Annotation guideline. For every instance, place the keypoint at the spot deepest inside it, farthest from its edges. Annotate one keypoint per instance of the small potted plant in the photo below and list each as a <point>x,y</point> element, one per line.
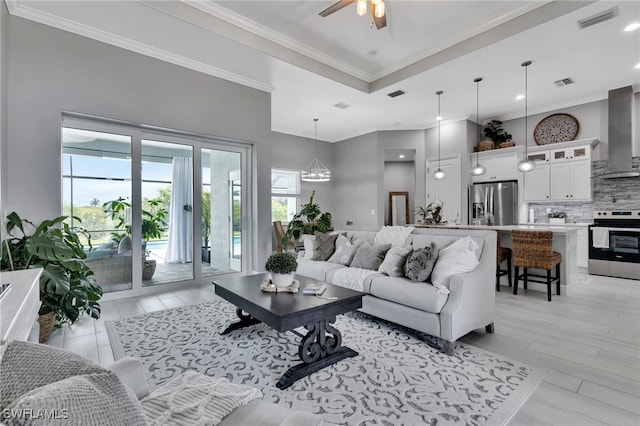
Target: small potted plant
<point>430,214</point>
<point>282,267</point>
<point>493,130</point>
<point>557,217</point>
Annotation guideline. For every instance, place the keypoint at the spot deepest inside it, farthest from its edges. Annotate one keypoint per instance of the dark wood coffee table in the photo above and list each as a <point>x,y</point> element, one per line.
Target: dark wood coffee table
<point>321,346</point>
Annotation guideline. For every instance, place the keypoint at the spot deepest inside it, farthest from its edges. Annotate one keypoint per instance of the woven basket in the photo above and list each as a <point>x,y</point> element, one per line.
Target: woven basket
<point>46,322</point>
<point>485,145</point>
<point>507,144</point>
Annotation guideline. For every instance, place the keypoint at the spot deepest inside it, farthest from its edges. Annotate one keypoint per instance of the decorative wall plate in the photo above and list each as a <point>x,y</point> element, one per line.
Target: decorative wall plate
<point>556,128</point>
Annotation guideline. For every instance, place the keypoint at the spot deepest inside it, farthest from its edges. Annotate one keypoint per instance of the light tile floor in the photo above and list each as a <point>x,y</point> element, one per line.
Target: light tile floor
<point>588,342</point>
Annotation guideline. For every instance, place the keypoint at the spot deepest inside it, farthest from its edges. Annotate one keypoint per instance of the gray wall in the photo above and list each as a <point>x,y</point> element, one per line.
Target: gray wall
<point>51,71</point>
<point>4,78</point>
<point>357,182</point>
<point>593,120</point>
<point>399,176</point>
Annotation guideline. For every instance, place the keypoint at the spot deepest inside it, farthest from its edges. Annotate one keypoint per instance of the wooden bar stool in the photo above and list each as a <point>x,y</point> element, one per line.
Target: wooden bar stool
<point>503,253</point>
<point>534,249</point>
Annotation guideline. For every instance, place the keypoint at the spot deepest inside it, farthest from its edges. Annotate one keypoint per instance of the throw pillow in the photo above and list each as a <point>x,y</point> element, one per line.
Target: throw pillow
<point>309,242</point>
<point>207,400</point>
<point>345,250</point>
<point>324,246</point>
<point>394,260</point>
<point>420,263</point>
<point>369,257</point>
<point>394,235</point>
<point>37,376</point>
<point>125,244</point>
<point>458,258</point>
<point>81,400</point>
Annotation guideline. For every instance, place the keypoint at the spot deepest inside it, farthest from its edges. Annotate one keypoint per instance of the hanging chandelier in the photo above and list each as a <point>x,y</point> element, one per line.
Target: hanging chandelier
<point>526,165</point>
<point>316,171</point>
<point>439,174</point>
<point>478,169</point>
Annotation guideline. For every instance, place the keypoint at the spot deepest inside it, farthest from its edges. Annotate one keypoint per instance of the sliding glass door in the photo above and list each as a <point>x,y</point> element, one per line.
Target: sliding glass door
<point>96,178</point>
<point>167,212</point>
<point>221,211</point>
<point>160,208</point>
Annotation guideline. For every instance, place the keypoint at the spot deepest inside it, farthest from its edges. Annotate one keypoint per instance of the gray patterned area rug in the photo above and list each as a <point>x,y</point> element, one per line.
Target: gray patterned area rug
<point>395,379</point>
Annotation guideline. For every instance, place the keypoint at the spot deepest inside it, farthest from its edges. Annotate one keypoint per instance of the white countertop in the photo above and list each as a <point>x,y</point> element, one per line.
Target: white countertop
<point>558,229</point>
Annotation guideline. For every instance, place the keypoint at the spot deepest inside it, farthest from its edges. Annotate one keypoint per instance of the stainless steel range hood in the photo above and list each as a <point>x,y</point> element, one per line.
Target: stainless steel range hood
<point>620,135</point>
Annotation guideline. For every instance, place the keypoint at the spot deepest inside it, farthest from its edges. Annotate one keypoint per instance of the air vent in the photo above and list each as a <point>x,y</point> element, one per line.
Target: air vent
<point>564,82</point>
<point>396,93</point>
<point>342,105</point>
<point>600,17</point>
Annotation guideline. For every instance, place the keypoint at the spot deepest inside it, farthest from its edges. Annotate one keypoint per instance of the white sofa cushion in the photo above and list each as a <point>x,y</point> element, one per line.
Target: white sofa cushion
<point>404,292</point>
<point>394,235</point>
<point>316,269</point>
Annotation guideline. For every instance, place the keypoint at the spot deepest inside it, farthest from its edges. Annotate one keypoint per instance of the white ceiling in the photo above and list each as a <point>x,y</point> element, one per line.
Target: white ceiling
<point>310,63</point>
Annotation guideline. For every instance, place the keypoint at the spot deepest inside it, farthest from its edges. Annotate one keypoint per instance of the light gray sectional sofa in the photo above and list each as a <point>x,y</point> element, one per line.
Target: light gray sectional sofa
<point>470,301</point>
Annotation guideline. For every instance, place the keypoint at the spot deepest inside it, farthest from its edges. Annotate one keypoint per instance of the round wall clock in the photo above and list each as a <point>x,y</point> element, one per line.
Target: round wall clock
<point>556,128</point>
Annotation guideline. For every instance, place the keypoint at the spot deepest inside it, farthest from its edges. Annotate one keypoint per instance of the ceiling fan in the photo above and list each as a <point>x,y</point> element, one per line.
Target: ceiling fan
<point>377,7</point>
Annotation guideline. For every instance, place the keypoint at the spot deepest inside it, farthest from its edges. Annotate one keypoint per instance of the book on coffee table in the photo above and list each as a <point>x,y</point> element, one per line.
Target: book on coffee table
<point>316,289</point>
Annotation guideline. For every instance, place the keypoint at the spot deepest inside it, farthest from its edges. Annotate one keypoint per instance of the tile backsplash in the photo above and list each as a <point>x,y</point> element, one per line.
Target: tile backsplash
<point>607,194</point>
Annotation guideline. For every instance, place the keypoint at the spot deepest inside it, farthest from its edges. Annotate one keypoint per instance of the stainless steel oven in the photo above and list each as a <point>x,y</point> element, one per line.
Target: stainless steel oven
<point>614,244</point>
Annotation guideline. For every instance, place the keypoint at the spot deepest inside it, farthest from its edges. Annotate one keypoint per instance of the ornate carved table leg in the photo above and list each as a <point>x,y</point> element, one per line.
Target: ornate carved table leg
<point>317,350</point>
<point>245,321</point>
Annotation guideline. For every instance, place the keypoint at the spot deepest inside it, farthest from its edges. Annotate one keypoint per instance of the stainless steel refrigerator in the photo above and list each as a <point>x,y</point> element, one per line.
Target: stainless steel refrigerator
<point>493,203</point>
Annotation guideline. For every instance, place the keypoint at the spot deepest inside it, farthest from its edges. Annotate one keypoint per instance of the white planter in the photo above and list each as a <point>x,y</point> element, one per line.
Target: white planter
<point>282,280</point>
<point>556,220</point>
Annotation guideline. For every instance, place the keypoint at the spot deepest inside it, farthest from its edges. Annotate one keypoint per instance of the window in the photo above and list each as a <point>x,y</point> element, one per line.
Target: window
<point>285,194</point>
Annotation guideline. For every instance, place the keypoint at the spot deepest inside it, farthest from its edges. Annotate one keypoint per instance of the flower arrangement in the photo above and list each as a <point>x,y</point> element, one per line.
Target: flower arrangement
<point>558,214</point>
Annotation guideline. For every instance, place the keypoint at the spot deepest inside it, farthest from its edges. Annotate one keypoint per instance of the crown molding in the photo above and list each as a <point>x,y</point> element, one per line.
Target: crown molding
<point>213,9</point>
<point>22,9</point>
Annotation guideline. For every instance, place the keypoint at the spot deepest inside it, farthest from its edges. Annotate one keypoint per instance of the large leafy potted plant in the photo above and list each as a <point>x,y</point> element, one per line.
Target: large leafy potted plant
<point>153,226</point>
<point>307,221</point>
<point>67,286</point>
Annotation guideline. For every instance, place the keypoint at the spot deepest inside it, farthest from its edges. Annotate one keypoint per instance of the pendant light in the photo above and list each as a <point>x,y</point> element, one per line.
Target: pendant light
<point>316,171</point>
<point>526,165</point>
<point>478,169</point>
<point>439,174</point>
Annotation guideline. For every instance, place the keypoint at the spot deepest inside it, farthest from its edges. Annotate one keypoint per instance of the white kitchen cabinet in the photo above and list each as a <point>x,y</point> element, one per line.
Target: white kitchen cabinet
<point>568,173</point>
<point>583,247</point>
<point>571,180</point>
<point>536,183</point>
<point>499,165</point>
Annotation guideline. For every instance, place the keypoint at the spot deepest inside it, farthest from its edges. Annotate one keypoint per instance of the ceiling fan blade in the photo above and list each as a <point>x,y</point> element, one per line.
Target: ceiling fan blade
<point>380,22</point>
<point>335,7</point>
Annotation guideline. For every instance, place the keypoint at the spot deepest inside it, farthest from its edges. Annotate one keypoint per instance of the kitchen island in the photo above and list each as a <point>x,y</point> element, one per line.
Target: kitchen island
<point>564,242</point>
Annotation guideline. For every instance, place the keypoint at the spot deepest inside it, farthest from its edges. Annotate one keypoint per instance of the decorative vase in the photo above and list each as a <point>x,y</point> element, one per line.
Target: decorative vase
<point>282,280</point>
<point>149,268</point>
<point>556,220</point>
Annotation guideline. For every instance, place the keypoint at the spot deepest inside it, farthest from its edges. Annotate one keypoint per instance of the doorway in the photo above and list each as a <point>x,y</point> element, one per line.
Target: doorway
<point>446,191</point>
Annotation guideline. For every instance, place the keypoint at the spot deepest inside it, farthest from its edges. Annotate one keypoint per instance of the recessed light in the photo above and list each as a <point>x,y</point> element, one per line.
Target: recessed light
<point>632,26</point>
<point>401,156</point>
<point>519,97</point>
<point>439,118</point>
<point>373,52</point>
<point>637,66</point>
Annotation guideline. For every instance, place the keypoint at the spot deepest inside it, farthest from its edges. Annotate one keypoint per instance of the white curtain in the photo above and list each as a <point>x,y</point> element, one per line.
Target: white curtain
<point>180,244</point>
